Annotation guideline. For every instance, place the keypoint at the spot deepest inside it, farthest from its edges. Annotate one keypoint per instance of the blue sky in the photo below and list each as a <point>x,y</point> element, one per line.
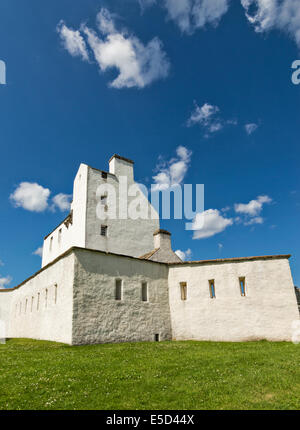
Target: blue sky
<point>192,79</point>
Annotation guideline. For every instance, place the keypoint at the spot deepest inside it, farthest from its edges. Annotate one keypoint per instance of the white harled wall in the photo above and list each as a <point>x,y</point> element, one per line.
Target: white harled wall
<point>42,307</point>
<point>124,236</point>
<point>55,243</point>
<point>266,312</point>
<point>98,317</point>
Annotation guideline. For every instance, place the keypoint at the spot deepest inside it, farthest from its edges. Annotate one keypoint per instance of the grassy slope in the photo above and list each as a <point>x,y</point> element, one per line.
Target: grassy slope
<point>167,375</point>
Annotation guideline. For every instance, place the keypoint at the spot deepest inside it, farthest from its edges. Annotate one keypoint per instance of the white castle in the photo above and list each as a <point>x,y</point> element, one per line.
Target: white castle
<point>118,280</point>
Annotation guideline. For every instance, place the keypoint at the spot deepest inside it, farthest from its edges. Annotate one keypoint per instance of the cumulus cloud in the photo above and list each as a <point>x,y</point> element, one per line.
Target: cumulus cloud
<point>184,255</point>
<point>138,65</point>
<point>35,198</point>
<point>5,281</point>
<point>172,172</point>
<point>31,196</point>
<point>72,41</point>
<point>254,207</point>
<point>266,15</point>
<point>251,128</point>
<point>210,223</point>
<point>190,15</point>
<point>208,118</point>
<point>62,202</point>
<point>38,252</point>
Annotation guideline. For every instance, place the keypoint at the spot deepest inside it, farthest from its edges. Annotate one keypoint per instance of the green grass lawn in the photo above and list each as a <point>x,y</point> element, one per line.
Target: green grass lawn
<point>166,375</point>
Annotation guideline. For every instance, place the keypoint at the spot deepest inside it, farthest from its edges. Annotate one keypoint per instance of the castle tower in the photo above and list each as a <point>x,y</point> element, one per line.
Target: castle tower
<point>100,216</point>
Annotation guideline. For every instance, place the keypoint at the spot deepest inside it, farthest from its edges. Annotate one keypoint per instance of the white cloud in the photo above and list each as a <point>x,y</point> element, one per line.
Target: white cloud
<point>72,41</point>
<point>251,128</point>
<point>255,220</point>
<point>172,172</point>
<point>38,251</point>
<point>1,263</point>
<point>138,65</point>
<point>266,15</point>
<point>207,117</point>
<point>184,255</point>
<point>209,223</point>
<point>254,207</point>
<point>62,201</point>
<point>35,198</point>
<point>31,196</point>
<point>4,281</point>
<point>190,15</point>
<point>220,246</point>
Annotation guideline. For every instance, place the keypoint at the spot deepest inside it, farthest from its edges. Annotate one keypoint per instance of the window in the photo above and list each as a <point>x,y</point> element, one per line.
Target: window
<point>156,337</point>
<point>55,293</point>
<point>32,299</point>
<point>118,294</point>
<point>212,289</point>
<point>103,230</point>
<point>103,199</point>
<point>144,292</point>
<point>59,235</point>
<point>104,175</point>
<point>46,298</point>
<point>242,286</point>
<point>183,290</point>
<point>51,243</point>
<point>38,301</point>
<point>26,303</point>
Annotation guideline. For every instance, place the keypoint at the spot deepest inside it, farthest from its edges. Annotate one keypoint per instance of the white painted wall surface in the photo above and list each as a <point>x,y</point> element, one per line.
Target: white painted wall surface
<point>124,236</point>
<point>48,320</point>
<point>98,317</point>
<point>74,235</point>
<point>267,311</point>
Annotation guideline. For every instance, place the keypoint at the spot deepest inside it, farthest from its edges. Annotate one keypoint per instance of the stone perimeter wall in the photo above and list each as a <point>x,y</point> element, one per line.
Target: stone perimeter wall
<point>42,307</point>
<point>77,303</point>
<point>266,312</point>
<point>98,317</point>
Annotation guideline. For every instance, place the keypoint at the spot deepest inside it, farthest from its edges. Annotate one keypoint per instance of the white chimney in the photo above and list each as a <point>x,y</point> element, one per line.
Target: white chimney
<point>121,166</point>
<point>162,240</point>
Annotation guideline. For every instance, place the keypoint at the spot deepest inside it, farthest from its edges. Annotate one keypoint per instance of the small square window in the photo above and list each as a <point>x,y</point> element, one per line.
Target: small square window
<point>103,230</point>
<point>104,175</point>
<point>212,289</point>
<point>183,290</point>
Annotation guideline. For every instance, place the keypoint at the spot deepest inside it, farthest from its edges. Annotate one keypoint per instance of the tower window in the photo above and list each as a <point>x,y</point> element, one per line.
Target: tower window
<point>59,235</point>
<point>103,199</point>
<point>103,230</point>
<point>51,243</point>
<point>183,290</point>
<point>118,293</point>
<point>144,292</point>
<point>242,286</point>
<point>104,175</point>
<point>212,289</point>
